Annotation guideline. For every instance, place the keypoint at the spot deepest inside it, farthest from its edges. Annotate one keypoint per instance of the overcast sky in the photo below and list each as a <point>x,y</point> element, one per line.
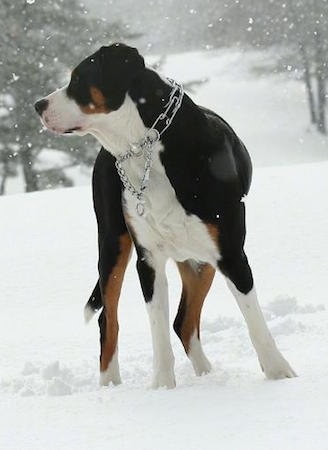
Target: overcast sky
<point>167,25</point>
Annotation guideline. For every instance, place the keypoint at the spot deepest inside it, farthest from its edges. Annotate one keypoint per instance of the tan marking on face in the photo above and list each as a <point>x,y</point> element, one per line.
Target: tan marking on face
<point>196,283</point>
<point>97,104</point>
<point>112,295</point>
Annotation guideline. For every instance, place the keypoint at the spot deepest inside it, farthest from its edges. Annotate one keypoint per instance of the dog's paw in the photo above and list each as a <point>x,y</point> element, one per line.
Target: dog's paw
<point>201,366</point>
<point>200,363</point>
<point>163,379</point>
<point>275,367</point>
<point>111,375</point>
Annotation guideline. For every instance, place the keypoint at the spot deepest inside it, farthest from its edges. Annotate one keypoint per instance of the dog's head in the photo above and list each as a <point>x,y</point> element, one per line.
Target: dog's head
<point>98,86</point>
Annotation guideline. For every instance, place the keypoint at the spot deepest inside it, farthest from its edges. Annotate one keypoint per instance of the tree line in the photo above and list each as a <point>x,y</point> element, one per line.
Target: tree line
<point>40,43</point>
<point>298,32</point>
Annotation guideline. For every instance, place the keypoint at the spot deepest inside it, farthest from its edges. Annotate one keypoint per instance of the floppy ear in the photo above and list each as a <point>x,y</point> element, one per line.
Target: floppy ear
<point>119,65</point>
<point>133,61</point>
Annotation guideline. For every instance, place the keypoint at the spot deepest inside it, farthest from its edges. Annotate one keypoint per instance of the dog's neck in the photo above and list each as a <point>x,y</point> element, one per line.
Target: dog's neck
<point>143,103</point>
<point>116,130</point>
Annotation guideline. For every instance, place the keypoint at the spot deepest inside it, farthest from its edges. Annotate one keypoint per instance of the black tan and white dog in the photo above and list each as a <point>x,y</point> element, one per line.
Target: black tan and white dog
<point>170,180</point>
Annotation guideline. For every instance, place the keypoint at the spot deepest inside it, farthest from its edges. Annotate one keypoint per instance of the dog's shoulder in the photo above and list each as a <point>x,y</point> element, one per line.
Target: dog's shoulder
<point>205,161</point>
<point>107,194</point>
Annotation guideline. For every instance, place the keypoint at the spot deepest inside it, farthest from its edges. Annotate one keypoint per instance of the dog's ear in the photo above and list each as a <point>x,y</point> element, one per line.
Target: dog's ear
<point>120,64</point>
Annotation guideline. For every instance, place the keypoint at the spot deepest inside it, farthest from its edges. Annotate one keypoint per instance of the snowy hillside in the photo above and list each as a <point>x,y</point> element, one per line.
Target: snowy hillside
<point>269,112</point>
<point>49,395</point>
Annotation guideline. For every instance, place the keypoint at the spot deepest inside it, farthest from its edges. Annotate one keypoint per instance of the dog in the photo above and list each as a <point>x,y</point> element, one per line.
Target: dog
<point>170,180</point>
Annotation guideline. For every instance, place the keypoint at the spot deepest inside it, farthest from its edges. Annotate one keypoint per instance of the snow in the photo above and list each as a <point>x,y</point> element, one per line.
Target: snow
<point>49,393</point>
<point>269,112</point>
<point>52,158</point>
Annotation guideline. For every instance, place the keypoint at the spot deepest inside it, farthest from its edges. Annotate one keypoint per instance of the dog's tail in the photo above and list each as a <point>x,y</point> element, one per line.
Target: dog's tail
<point>93,304</point>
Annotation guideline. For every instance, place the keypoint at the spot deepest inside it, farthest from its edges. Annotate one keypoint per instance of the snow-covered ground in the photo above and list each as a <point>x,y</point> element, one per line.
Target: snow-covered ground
<point>49,393</point>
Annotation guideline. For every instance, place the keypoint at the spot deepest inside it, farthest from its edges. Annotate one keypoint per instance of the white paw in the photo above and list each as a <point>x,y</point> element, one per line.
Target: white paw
<point>276,367</point>
<point>106,378</point>
<point>201,366</point>
<point>164,379</point>
<point>200,363</point>
<point>111,374</point>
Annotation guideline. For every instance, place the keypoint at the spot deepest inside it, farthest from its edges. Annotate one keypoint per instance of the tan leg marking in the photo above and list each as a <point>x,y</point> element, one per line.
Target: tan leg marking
<point>111,298</point>
<point>196,283</point>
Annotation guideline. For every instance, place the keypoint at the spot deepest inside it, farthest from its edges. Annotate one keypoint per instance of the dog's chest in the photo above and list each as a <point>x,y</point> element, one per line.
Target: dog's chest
<point>166,229</point>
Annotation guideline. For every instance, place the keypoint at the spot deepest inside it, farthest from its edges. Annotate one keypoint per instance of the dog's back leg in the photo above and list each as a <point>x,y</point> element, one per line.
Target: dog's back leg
<point>113,260</point>
<point>234,265</point>
<point>196,282</point>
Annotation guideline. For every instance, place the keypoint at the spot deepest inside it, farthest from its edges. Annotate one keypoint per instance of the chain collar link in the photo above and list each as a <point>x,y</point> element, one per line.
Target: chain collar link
<point>145,146</point>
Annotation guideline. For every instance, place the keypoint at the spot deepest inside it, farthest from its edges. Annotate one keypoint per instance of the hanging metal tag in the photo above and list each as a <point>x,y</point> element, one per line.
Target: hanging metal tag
<point>136,149</point>
<point>140,209</point>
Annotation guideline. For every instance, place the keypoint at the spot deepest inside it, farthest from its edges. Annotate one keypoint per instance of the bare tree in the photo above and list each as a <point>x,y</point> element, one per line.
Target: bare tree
<point>308,83</point>
<point>320,73</point>
<point>297,27</point>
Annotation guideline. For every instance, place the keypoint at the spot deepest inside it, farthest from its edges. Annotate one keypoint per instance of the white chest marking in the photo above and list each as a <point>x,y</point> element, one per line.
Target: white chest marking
<point>165,229</point>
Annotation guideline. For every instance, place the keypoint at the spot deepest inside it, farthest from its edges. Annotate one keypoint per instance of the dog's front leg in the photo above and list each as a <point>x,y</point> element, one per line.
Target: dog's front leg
<point>154,286</point>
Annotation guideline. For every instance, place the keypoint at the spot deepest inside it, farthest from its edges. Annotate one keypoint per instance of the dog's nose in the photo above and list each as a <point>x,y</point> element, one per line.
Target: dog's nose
<point>41,106</point>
